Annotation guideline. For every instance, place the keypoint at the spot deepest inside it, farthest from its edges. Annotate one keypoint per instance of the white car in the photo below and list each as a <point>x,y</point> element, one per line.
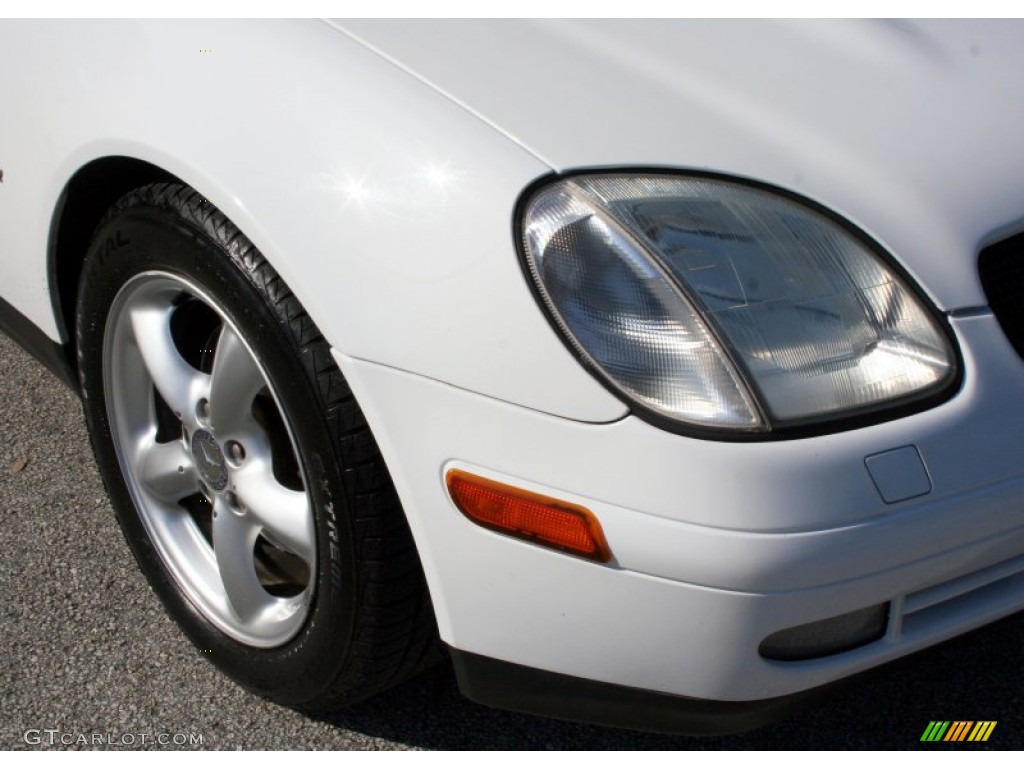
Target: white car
<point>663,371</point>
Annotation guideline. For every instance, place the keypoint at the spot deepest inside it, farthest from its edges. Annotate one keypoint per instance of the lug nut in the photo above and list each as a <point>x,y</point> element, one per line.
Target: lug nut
<point>235,451</point>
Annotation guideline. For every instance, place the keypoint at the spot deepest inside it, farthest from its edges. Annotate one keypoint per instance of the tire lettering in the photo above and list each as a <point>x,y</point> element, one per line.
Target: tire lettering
<point>114,242</point>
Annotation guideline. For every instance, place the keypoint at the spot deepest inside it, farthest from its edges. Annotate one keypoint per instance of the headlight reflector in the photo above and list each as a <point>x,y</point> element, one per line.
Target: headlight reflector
<point>721,305</point>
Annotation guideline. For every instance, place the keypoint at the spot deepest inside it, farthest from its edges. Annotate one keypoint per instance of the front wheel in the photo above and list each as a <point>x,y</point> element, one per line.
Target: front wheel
<point>241,469</point>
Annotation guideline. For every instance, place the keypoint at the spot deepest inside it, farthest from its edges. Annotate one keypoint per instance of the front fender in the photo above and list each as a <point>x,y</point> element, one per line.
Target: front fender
<point>385,206</point>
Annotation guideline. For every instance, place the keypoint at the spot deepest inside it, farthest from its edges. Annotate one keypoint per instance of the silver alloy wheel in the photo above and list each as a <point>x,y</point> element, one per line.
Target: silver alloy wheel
<point>246,559</point>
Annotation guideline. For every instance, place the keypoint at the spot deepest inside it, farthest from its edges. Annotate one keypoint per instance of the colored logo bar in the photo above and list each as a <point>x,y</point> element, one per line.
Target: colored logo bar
<point>958,730</point>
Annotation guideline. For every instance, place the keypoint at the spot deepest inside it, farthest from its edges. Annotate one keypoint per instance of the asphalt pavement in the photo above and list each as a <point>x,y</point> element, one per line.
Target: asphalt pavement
<point>88,658</point>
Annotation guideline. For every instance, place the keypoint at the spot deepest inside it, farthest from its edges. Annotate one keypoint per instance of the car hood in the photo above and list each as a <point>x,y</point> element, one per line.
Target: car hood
<point>910,130</point>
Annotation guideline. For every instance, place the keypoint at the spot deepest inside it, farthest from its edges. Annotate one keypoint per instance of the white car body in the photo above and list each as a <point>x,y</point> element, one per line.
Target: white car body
<point>378,166</point>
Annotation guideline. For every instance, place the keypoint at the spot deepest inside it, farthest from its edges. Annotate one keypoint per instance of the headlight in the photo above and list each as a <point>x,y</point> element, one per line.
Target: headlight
<point>720,305</point>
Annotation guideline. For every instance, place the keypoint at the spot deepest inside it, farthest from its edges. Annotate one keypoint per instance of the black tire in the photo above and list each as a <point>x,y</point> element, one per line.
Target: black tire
<point>370,624</point>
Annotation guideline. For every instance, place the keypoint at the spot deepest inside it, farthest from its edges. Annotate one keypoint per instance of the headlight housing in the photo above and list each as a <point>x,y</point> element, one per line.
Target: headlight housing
<point>719,305</point>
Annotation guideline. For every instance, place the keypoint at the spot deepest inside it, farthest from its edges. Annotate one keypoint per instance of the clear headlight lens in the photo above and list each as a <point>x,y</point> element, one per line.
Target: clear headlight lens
<point>721,305</point>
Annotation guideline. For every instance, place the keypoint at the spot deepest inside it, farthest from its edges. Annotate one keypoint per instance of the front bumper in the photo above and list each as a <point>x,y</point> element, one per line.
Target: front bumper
<point>716,545</point>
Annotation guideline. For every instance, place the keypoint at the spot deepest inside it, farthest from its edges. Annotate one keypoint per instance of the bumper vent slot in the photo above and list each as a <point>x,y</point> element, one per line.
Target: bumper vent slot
<point>1001,268</point>
<point>983,595</point>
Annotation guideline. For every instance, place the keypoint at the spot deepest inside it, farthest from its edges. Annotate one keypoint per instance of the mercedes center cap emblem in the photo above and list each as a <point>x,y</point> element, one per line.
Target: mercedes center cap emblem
<point>209,460</point>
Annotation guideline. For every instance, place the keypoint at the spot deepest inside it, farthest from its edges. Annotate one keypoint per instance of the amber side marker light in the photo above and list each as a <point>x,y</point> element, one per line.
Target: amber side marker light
<point>529,516</point>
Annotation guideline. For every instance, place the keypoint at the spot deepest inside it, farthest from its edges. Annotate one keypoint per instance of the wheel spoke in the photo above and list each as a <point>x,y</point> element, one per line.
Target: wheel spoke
<point>159,465</point>
<point>284,514</point>
<point>178,383</point>
<point>233,540</point>
<point>234,381</point>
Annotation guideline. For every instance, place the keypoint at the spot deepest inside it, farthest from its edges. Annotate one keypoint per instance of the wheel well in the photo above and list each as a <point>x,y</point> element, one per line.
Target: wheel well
<point>88,195</point>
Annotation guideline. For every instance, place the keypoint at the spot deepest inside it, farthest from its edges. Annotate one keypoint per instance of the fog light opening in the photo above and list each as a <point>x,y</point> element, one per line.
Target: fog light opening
<point>828,636</point>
